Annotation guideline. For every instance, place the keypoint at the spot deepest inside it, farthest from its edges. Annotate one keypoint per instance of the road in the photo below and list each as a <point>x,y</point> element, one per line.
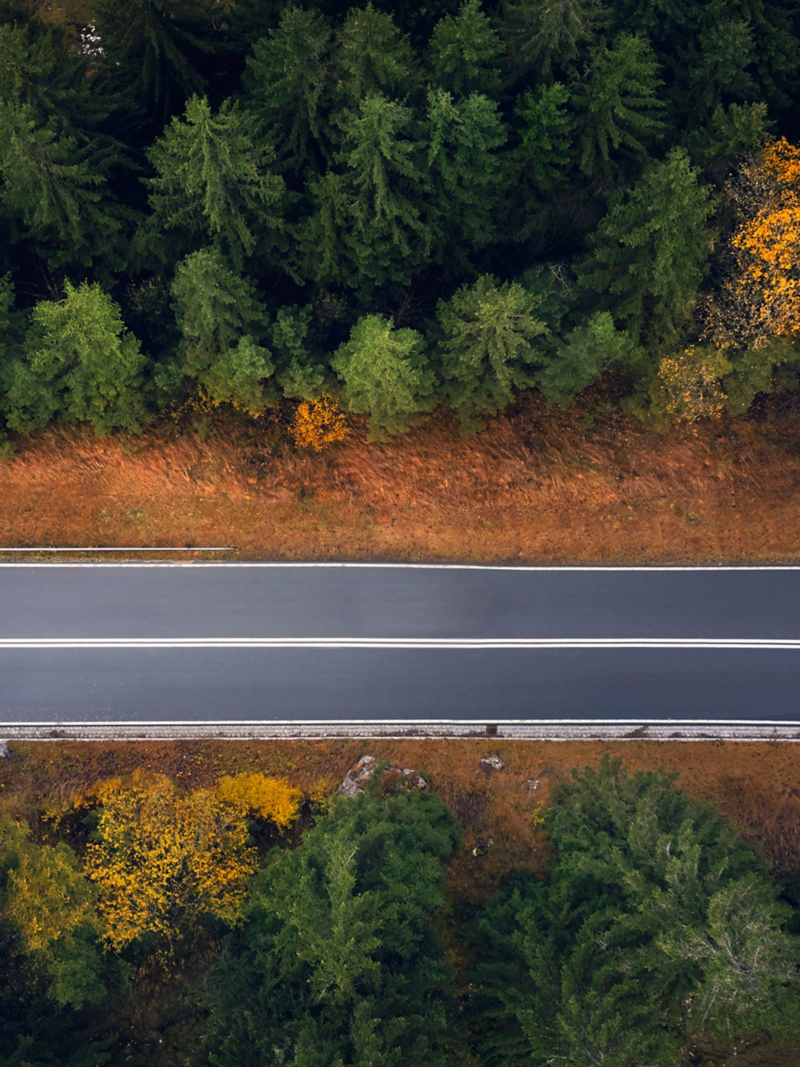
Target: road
<point>193,643</point>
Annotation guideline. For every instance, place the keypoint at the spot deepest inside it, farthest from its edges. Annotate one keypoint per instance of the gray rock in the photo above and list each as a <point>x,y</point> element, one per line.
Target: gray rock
<point>533,784</point>
<point>361,772</point>
<point>492,763</point>
<point>4,753</point>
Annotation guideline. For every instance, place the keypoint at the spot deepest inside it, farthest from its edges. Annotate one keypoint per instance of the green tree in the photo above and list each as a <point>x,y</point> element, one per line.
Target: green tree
<point>486,346</point>
<point>463,52</point>
<point>338,961</point>
<point>538,35</point>
<point>223,325</point>
<point>618,110</point>
<point>151,50</point>
<point>655,924</point>
<point>80,364</point>
<point>651,251</point>
<point>371,56</point>
<point>214,181</point>
<point>385,374</point>
<point>298,373</point>
<point>51,906</point>
<point>287,82</point>
<point>583,355</point>
<point>465,172</point>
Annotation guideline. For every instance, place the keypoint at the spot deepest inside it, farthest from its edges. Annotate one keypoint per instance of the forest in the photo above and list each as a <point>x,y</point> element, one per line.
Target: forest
<point>386,208</point>
<point>271,926</point>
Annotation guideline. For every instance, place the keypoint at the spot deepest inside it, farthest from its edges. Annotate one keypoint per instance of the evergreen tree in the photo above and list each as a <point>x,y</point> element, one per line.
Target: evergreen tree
<point>223,326</point>
<point>463,52</point>
<point>385,374</point>
<point>542,34</point>
<point>80,364</point>
<point>287,82</point>
<point>338,961</point>
<point>618,110</point>
<point>214,182</point>
<point>486,348</point>
<point>298,373</point>
<point>652,249</point>
<point>584,354</point>
<point>465,170</point>
<point>371,56</point>
<point>655,923</point>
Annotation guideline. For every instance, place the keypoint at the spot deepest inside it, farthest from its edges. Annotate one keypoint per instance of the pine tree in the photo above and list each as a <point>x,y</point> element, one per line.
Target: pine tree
<point>80,364</point>
<point>540,35</point>
<point>486,347</point>
<point>385,374</point>
<point>651,251</point>
<point>618,109</point>
<point>463,52</point>
<point>287,85</point>
<point>465,171</point>
<point>214,182</point>
<point>223,325</point>
<point>371,56</point>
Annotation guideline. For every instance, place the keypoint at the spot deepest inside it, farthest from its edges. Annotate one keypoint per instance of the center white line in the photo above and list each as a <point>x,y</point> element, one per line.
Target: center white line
<point>456,643</point>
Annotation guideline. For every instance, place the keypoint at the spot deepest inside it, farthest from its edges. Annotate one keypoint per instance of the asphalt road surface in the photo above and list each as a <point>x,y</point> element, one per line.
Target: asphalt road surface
<point>218,642</point>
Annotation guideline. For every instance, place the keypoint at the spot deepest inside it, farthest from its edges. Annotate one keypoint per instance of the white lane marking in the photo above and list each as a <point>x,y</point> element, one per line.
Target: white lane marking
<point>472,644</point>
<point>478,723</point>
<point>403,566</point>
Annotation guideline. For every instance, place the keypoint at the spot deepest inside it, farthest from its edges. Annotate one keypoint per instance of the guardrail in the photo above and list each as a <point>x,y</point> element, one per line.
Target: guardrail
<point>441,729</point>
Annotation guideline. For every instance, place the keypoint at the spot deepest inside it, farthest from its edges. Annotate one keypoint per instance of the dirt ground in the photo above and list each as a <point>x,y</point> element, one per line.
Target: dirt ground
<point>535,486</point>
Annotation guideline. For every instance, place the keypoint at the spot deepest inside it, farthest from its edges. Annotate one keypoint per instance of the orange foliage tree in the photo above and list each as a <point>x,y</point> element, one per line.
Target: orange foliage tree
<point>318,423</point>
<point>162,860</point>
<point>760,297</point>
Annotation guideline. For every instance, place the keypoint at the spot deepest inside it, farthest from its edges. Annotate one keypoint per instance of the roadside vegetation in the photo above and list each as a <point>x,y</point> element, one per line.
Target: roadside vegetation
<point>212,903</point>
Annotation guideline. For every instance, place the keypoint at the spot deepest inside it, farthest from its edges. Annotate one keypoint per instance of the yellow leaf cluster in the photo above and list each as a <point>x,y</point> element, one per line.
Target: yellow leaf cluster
<point>160,859</point>
<point>318,423</point>
<point>760,298</point>
<point>690,384</point>
<point>45,895</point>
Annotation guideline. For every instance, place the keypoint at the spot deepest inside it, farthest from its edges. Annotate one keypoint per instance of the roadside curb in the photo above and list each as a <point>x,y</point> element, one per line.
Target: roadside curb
<point>438,729</point>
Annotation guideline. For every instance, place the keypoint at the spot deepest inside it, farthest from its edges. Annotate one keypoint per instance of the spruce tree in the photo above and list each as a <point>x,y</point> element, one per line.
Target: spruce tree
<point>463,52</point>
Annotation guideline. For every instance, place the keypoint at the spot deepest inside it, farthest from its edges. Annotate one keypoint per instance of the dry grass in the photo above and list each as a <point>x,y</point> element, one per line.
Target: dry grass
<point>534,486</point>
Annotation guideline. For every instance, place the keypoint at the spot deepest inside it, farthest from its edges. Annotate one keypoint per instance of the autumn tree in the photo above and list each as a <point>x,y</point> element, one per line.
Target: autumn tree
<point>759,298</point>
<point>655,924</point>
<point>384,374</point>
<point>163,861</point>
<point>46,899</point>
<point>486,346</point>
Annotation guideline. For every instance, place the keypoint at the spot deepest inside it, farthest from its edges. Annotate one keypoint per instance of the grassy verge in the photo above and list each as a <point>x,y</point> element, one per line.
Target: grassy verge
<point>534,487</point>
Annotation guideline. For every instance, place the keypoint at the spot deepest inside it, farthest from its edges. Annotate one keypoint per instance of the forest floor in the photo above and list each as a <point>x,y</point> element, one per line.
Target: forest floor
<point>535,486</point>
<point>756,785</point>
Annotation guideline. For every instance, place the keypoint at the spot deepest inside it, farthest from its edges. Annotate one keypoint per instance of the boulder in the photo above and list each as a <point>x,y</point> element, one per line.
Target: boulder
<point>361,772</point>
<point>4,753</point>
<point>492,763</point>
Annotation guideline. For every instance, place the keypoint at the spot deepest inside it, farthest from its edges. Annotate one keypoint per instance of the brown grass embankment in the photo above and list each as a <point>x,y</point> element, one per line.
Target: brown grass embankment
<point>535,486</point>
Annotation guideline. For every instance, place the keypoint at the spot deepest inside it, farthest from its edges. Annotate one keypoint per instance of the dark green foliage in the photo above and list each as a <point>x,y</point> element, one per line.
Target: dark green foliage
<point>540,34</point>
<point>80,364</point>
<point>652,249</point>
<point>463,51</point>
<point>618,109</point>
<point>487,346</point>
<point>222,324</point>
<point>384,374</point>
<point>338,962</point>
<point>371,56</point>
<point>655,923</point>
<point>214,182</point>
<point>298,373</point>
<point>288,83</point>
<point>583,356</point>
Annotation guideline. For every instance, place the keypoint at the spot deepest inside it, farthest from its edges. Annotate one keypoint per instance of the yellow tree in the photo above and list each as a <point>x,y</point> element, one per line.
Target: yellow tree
<point>162,860</point>
<point>760,297</point>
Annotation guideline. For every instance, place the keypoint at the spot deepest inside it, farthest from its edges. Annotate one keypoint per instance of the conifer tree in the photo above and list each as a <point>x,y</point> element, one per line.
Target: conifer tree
<point>486,347</point>
<point>80,364</point>
<point>539,35</point>
<point>287,82</point>
<point>214,181</point>
<point>223,326</point>
<point>463,52</point>
<point>618,108</point>
<point>651,251</point>
<point>385,374</point>
<point>371,55</point>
